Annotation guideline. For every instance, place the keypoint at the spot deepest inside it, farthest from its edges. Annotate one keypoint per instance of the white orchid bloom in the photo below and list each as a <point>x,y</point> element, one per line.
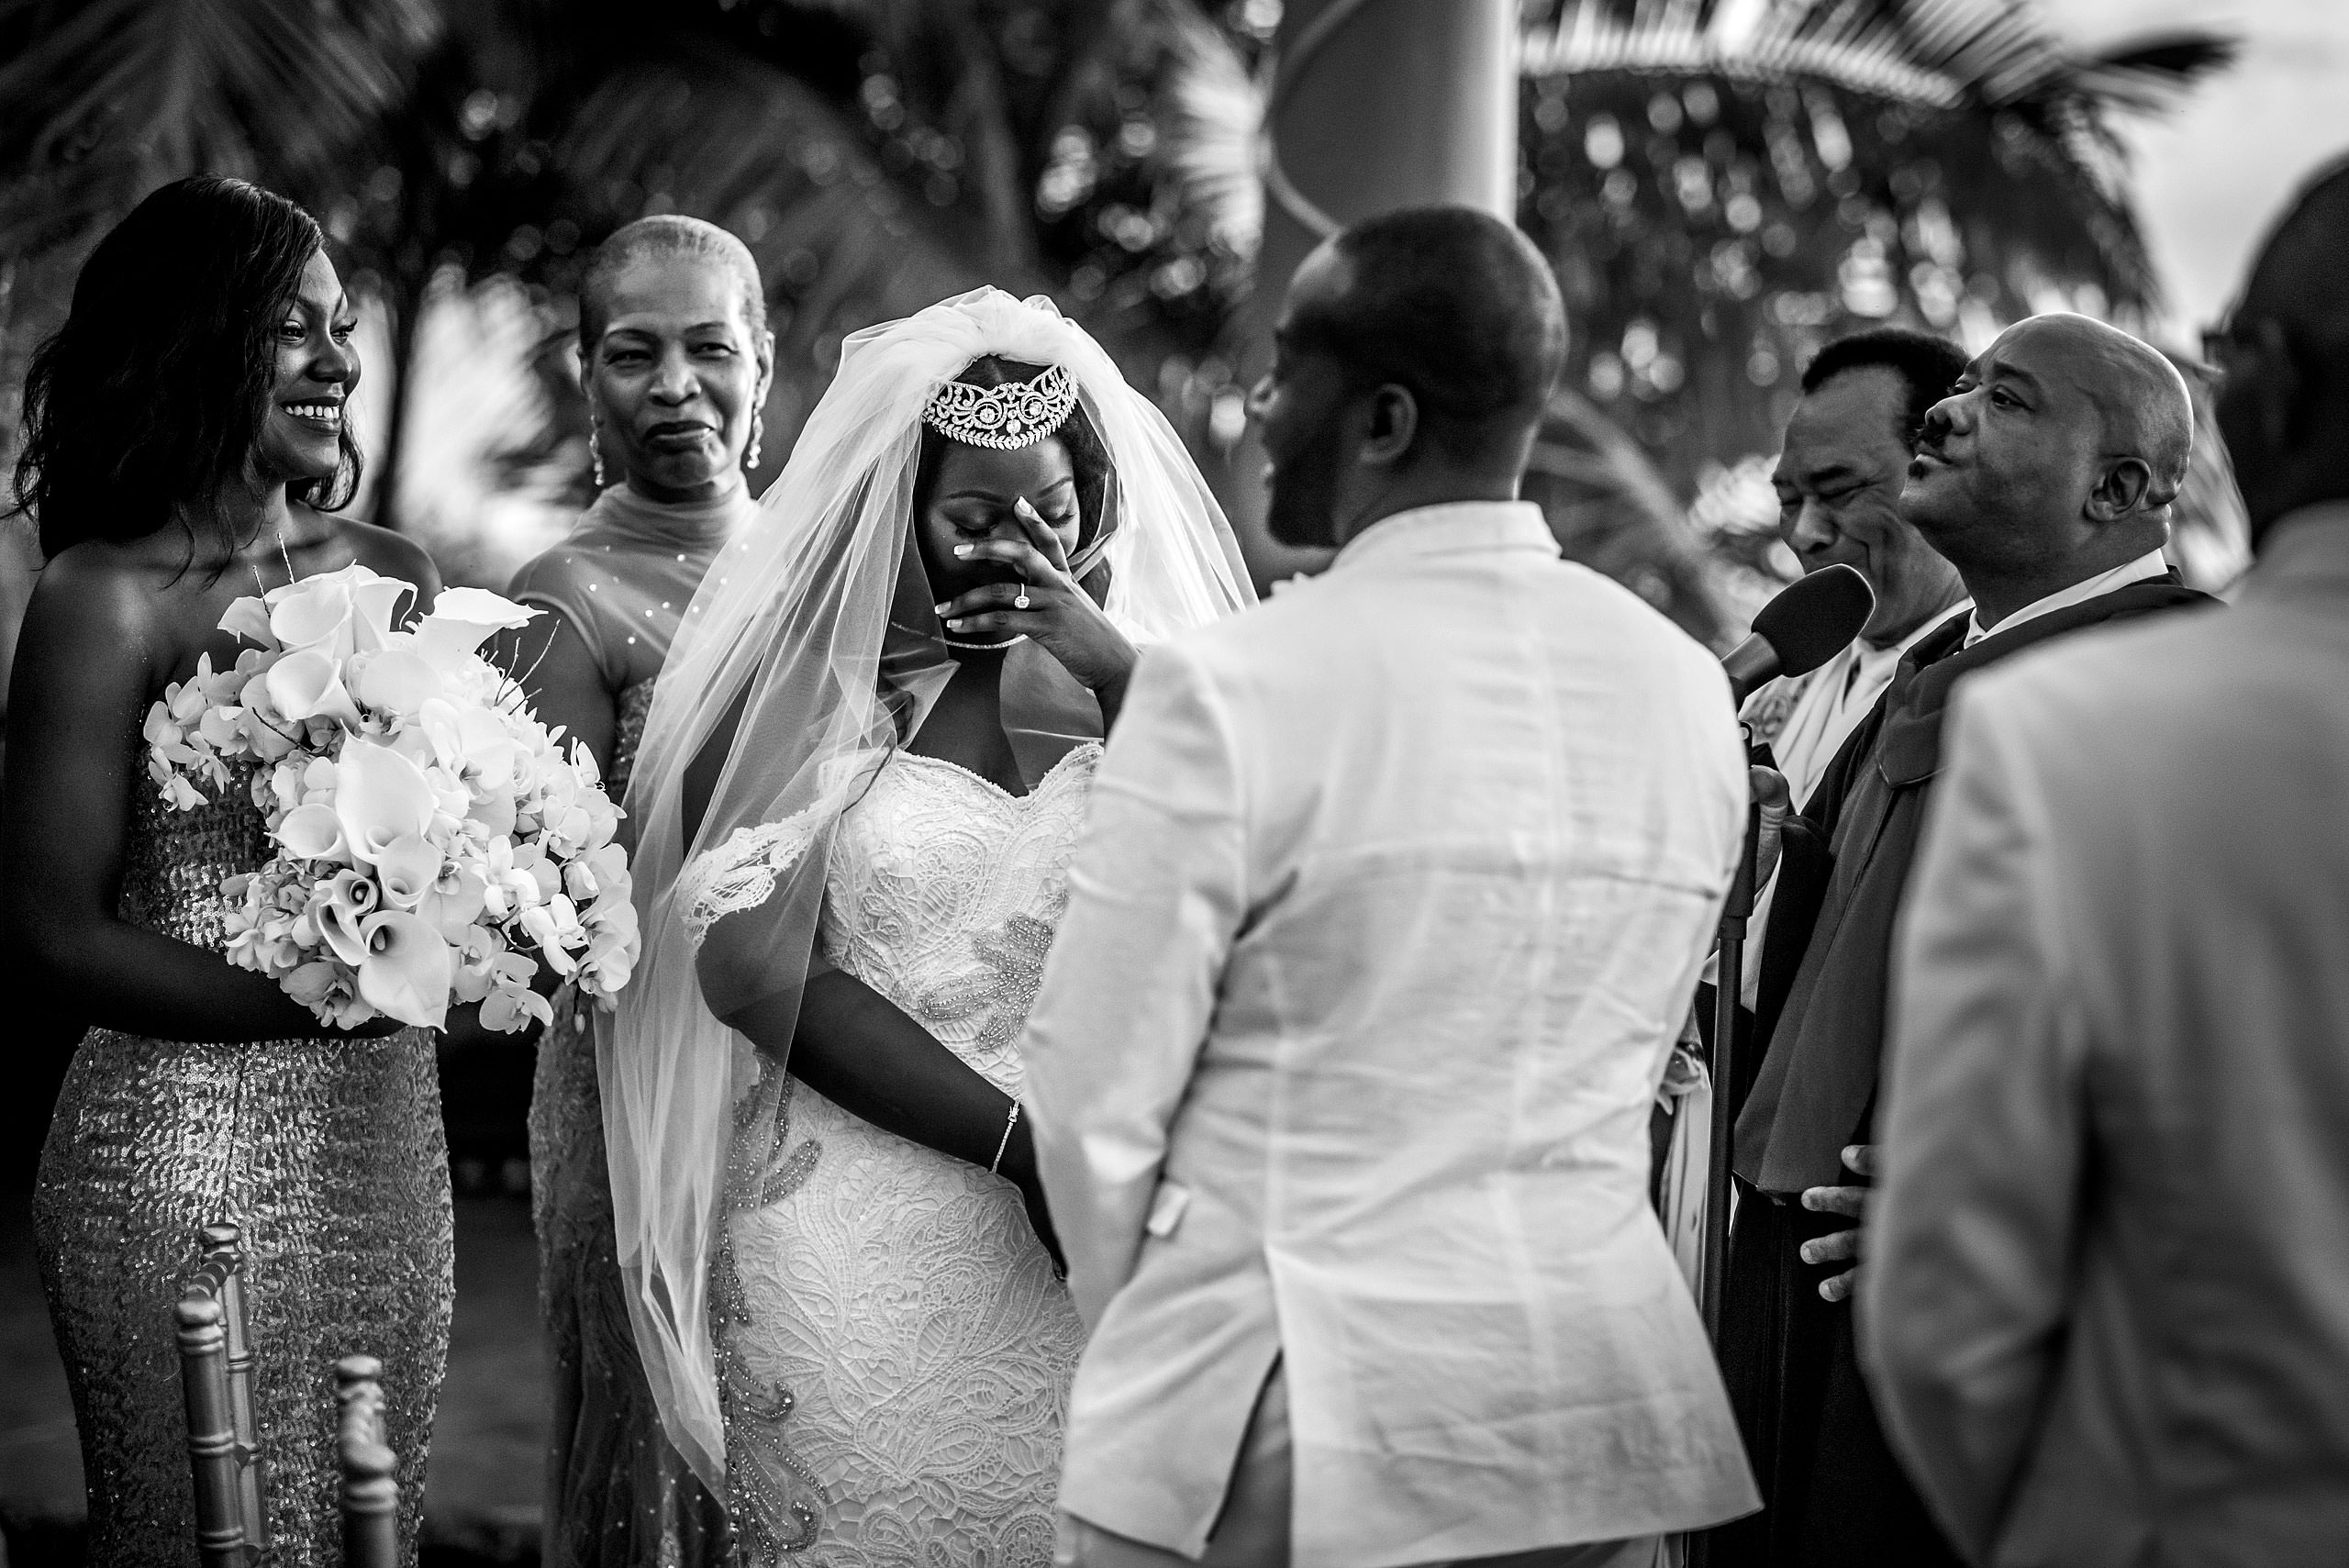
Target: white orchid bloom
<point>509,1010</point>
<point>222,728</point>
<point>456,899</point>
<point>478,947</point>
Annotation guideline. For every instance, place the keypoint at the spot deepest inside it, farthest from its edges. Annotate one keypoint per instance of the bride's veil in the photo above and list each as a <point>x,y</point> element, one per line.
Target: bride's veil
<point>817,625</point>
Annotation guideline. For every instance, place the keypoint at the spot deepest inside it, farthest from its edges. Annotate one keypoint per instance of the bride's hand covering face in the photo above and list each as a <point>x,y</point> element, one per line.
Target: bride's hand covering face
<point>997,534</point>
<point>815,647</point>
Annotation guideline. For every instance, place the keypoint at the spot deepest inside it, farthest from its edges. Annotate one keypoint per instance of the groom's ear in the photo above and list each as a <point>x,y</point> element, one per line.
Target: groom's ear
<point>1394,424</point>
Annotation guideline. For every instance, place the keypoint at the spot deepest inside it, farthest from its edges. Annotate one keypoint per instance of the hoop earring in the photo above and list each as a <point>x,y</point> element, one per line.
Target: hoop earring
<point>596,450</point>
<point>758,434</point>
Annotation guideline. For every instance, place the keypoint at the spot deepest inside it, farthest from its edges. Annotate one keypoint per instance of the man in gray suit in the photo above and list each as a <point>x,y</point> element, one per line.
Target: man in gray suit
<point>2107,1299</point>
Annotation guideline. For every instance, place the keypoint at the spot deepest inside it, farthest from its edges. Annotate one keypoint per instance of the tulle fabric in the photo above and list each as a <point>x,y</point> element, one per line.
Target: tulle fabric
<point>819,623</point>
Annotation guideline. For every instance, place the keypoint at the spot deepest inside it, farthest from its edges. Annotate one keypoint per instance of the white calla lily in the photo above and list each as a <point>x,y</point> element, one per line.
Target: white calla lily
<point>307,683</point>
<point>312,833</point>
<point>249,619</point>
<point>374,605</point>
<point>407,969</point>
<point>407,869</point>
<point>400,681</point>
<point>339,613</point>
<point>464,619</point>
<point>344,930</point>
<point>379,797</point>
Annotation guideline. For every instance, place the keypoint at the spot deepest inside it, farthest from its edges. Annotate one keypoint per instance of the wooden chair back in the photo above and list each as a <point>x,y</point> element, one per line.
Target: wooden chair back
<point>371,1495</point>
<point>215,1377</point>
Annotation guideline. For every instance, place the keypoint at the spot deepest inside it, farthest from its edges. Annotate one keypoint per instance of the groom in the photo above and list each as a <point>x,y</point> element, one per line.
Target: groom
<point>1391,903</point>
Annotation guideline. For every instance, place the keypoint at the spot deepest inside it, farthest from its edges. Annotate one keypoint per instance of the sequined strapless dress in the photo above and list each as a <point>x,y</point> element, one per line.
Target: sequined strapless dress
<point>329,1153</point>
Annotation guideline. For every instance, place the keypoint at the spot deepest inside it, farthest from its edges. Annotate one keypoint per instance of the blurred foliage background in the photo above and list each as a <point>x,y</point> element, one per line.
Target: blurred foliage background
<point>1721,184</point>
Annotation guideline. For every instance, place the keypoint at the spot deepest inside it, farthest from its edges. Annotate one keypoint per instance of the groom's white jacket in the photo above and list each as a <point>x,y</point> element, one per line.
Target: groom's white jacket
<point>1390,903</point>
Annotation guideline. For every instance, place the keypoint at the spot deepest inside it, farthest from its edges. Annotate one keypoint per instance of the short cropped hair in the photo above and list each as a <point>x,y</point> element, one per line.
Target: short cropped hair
<point>1929,366</point>
<point>1454,305</point>
<point>658,237</point>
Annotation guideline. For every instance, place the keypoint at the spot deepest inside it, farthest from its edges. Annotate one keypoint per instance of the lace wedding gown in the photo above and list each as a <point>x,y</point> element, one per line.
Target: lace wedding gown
<point>894,1352</point>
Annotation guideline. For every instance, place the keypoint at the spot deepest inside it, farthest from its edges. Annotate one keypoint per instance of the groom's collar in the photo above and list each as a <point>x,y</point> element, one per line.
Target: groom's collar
<point>1455,528</point>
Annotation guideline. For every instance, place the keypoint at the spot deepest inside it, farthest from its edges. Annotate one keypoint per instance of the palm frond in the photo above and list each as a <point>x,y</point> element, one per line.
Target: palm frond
<point>106,99</point>
<point>1724,186</point>
<point>708,132</point>
<point>1214,128</point>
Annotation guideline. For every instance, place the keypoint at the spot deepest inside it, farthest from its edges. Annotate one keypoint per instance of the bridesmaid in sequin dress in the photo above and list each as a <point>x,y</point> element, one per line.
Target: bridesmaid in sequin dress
<point>185,445</point>
<point>676,356</point>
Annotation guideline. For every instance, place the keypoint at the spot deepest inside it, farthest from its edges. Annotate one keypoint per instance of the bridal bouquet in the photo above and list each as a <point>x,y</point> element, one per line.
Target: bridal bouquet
<point>431,837</point>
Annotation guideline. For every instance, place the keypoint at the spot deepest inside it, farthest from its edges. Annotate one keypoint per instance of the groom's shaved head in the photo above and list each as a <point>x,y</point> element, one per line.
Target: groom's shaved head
<point>1449,302</point>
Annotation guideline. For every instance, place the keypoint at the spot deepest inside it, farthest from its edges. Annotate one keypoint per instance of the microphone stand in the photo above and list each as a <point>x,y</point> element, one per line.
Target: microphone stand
<point>1729,984</point>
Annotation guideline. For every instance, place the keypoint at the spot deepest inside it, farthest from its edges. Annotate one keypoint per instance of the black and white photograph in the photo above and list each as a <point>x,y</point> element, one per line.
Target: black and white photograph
<point>1133,783</point>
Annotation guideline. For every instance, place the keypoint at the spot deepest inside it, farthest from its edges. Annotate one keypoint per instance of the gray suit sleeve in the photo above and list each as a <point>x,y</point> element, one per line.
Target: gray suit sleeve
<point>1966,1287</point>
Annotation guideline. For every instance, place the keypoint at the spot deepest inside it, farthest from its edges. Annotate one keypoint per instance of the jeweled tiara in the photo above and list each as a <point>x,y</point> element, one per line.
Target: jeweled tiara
<point>1017,414</point>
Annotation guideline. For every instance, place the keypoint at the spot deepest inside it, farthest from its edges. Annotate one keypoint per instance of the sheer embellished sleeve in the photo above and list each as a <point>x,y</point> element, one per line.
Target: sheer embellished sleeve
<point>591,596</point>
<point>740,875</point>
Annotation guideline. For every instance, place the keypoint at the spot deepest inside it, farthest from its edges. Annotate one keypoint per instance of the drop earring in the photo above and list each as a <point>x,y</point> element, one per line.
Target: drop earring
<point>758,434</point>
<point>596,450</point>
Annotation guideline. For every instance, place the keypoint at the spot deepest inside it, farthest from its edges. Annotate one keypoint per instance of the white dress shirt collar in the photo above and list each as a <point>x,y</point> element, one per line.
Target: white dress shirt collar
<point>1448,528</point>
<point>2150,564</point>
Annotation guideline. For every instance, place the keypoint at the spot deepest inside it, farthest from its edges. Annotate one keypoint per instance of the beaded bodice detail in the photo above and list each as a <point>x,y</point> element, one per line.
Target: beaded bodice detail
<point>943,891</point>
<point>894,1348</point>
<point>633,708</point>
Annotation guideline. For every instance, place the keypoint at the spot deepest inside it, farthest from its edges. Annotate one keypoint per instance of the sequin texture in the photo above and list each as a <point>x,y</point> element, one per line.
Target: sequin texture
<point>329,1153</point>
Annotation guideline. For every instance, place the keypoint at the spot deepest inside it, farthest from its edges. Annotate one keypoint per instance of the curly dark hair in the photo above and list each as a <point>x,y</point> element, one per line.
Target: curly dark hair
<point>1089,455</point>
<point>1927,365</point>
<point>148,401</point>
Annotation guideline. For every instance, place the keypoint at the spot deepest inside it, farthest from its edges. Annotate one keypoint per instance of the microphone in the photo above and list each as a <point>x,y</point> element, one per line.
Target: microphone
<point>1807,624</point>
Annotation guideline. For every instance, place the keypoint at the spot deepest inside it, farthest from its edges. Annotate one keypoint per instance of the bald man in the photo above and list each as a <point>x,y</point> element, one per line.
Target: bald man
<point>2045,478</point>
<point>2106,1298</point>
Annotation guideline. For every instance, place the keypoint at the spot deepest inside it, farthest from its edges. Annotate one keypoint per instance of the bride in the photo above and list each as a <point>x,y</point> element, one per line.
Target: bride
<point>859,791</point>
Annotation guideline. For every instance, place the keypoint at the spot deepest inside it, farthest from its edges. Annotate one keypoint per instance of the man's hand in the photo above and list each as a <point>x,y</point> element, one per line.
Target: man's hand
<point>1775,798</point>
<point>1842,1246</point>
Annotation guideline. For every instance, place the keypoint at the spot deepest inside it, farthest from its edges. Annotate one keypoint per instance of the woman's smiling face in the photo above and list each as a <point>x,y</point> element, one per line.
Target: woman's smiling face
<point>301,434</point>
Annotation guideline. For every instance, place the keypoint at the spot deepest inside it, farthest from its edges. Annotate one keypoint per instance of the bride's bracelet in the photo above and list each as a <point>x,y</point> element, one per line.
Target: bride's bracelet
<point>994,1166</point>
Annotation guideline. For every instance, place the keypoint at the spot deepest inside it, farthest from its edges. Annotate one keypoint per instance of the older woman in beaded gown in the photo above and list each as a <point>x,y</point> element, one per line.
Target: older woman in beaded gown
<point>184,446</point>
<point>675,355</point>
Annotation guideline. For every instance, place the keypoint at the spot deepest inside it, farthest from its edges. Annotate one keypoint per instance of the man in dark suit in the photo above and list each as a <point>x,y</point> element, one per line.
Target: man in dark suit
<point>2045,478</point>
